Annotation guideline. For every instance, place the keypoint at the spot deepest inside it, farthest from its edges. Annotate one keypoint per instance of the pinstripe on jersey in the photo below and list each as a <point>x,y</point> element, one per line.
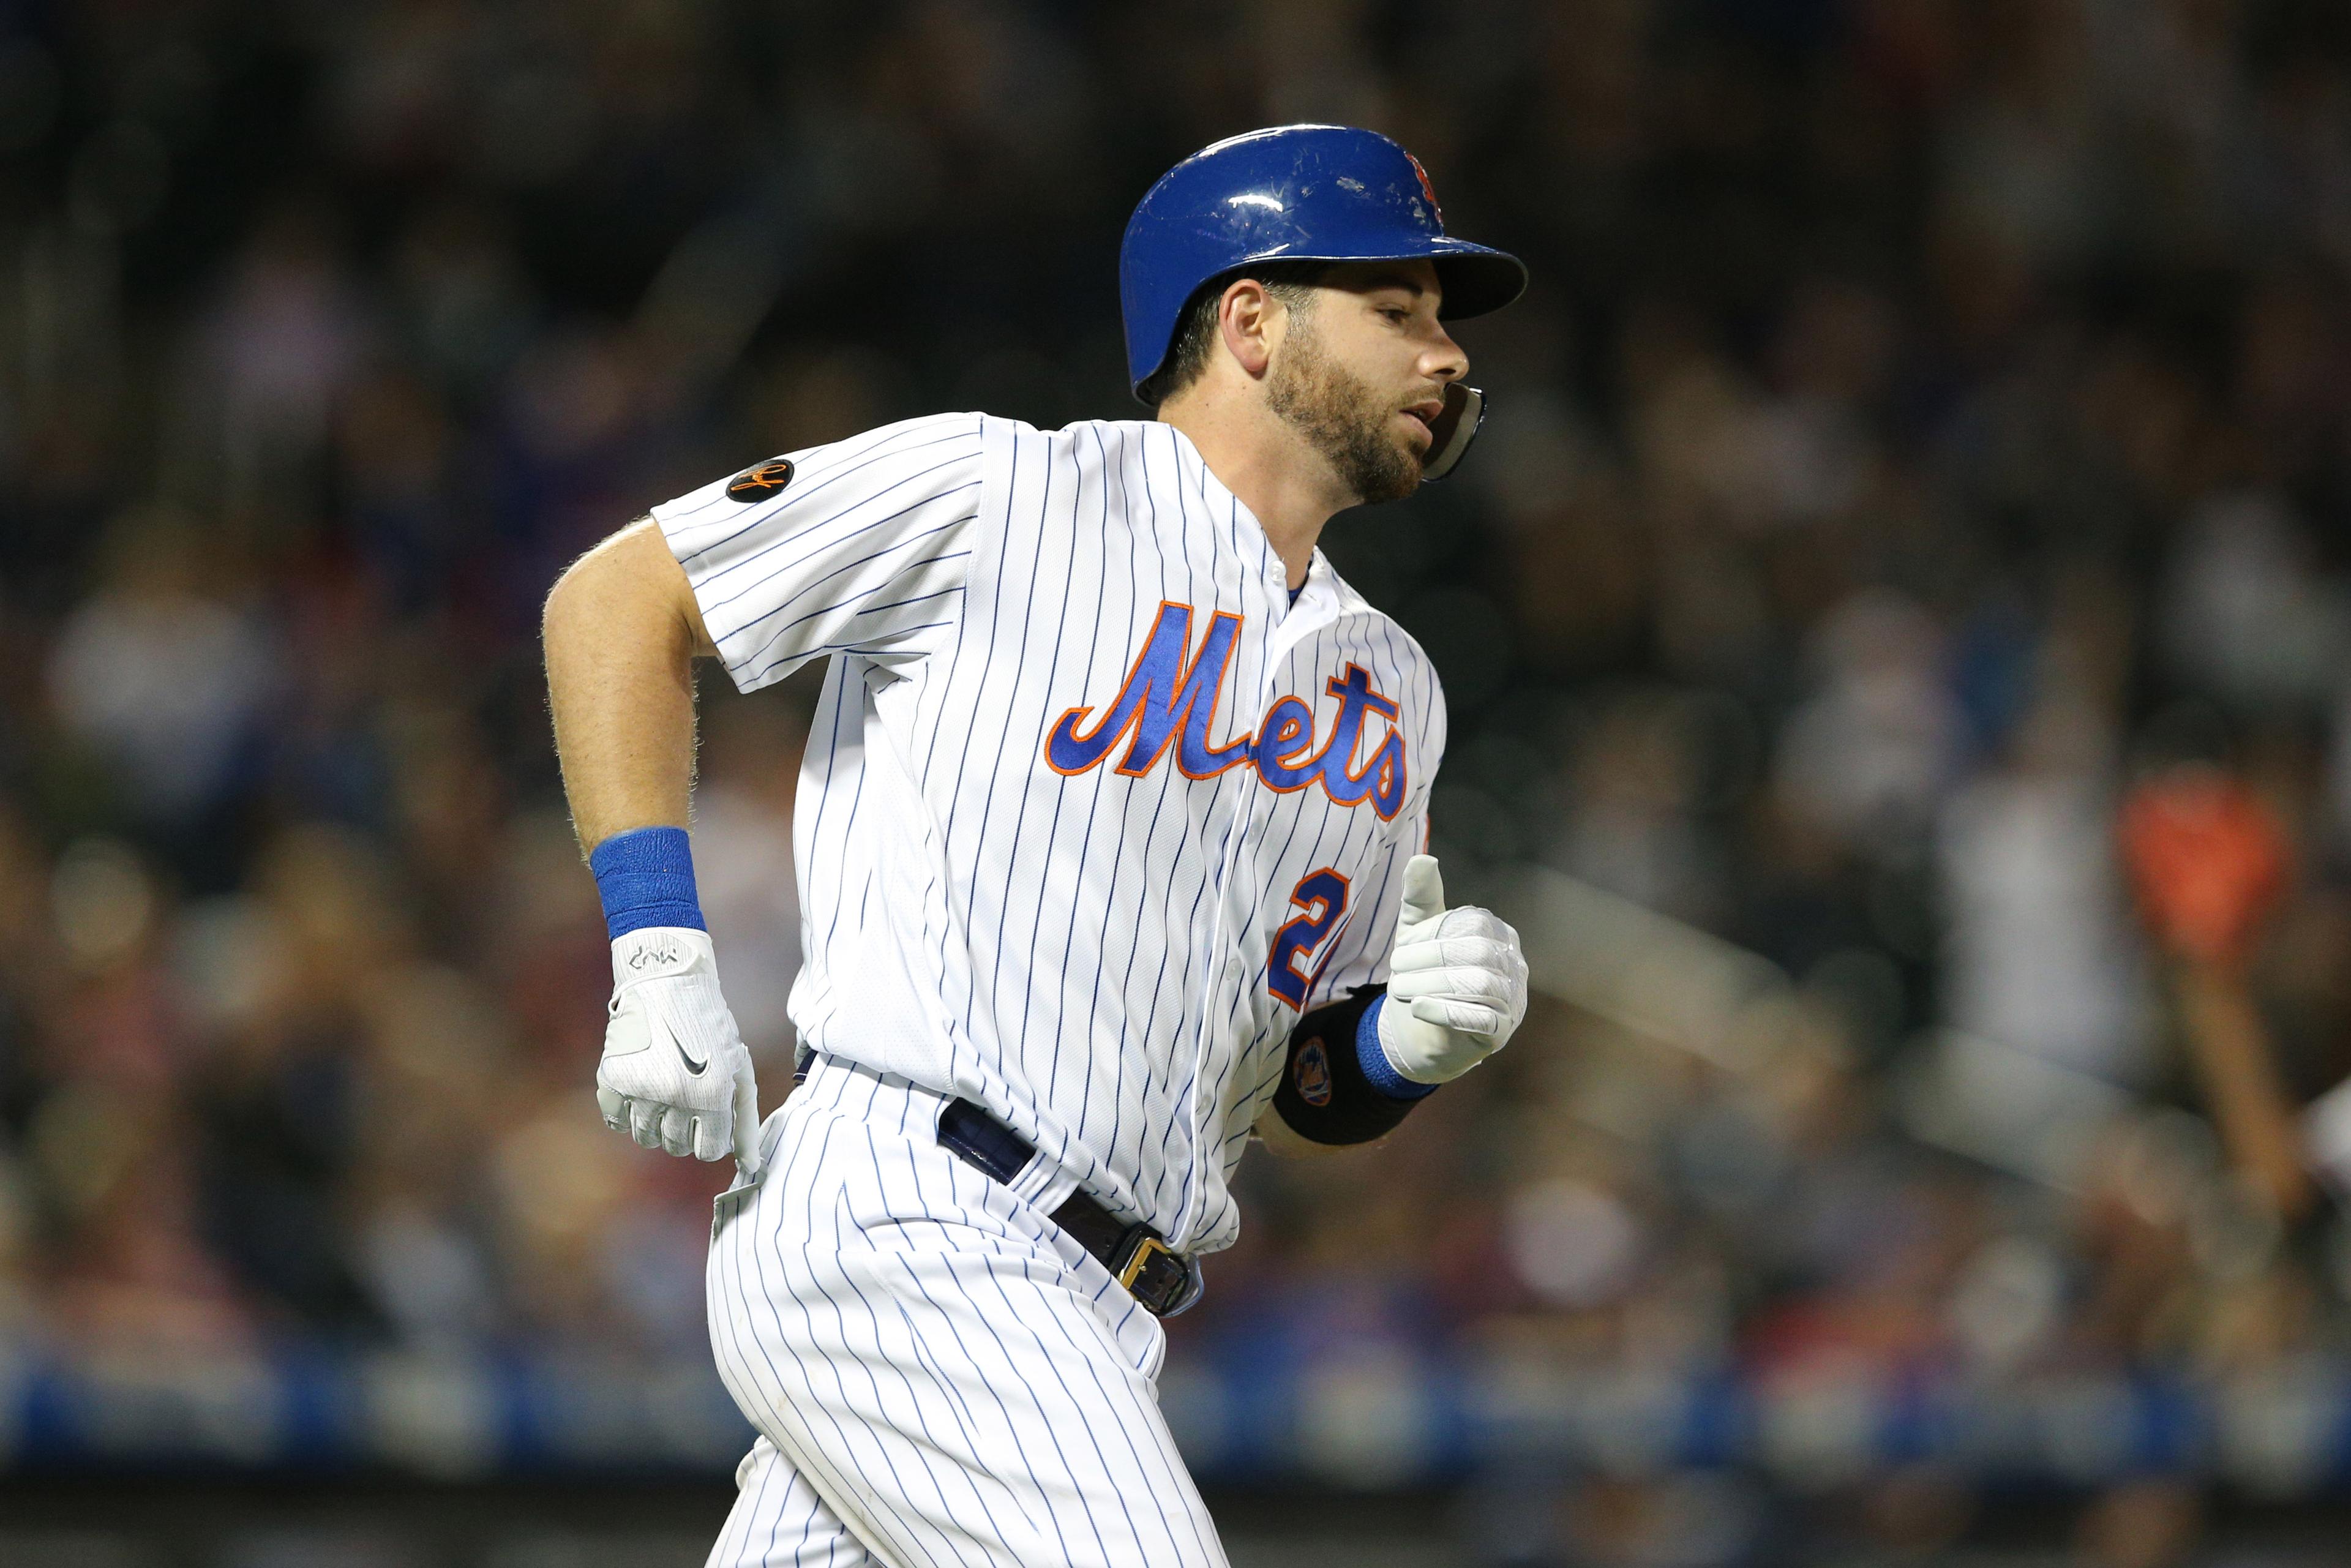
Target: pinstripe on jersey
<point>1108,958</point>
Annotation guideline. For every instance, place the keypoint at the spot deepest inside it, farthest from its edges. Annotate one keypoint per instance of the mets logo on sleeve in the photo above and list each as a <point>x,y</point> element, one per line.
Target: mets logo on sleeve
<point>1312,1073</point>
<point>759,484</point>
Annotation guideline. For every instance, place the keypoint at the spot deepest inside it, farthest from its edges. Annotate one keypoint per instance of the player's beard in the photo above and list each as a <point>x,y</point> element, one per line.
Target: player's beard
<point>1340,417</point>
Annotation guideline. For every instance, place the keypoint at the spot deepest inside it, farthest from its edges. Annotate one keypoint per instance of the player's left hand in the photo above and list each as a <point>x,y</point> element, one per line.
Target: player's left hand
<point>675,1074</point>
<point>1456,983</point>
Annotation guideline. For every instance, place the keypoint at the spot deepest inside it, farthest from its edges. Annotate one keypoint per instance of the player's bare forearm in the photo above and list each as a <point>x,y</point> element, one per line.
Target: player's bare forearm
<point>622,631</point>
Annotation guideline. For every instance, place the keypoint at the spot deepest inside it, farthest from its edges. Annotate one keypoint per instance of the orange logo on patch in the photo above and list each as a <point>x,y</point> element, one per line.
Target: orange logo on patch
<point>759,484</point>
<point>1314,1074</point>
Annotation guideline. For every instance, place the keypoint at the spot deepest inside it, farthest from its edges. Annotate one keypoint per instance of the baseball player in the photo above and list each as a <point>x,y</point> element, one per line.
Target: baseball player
<point>1109,844</point>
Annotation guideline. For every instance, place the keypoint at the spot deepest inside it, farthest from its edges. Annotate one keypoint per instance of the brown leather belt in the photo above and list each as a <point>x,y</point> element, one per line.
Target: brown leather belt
<point>1162,1280</point>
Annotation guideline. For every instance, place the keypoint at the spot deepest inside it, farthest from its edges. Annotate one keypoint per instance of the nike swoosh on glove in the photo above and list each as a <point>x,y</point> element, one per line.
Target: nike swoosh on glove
<point>1456,983</point>
<point>675,1074</point>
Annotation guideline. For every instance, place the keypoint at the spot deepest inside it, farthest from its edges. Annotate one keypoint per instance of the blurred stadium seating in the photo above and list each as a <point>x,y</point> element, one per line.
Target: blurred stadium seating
<point>1929,416</point>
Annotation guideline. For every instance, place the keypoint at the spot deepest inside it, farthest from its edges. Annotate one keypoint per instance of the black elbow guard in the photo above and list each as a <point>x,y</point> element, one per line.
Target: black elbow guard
<point>1324,1096</point>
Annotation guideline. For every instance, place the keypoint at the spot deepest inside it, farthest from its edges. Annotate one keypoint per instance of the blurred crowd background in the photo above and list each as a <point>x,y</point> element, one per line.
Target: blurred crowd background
<point>1929,416</point>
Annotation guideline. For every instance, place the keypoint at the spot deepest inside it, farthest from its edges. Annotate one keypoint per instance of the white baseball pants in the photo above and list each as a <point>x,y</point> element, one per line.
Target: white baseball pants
<point>938,1374</point>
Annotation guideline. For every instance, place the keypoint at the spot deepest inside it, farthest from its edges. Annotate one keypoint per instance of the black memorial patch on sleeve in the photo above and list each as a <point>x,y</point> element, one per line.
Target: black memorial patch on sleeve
<point>1323,1094</point>
<point>759,484</point>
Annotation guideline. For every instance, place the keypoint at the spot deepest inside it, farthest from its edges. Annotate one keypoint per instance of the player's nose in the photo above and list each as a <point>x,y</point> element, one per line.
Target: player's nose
<point>1445,361</point>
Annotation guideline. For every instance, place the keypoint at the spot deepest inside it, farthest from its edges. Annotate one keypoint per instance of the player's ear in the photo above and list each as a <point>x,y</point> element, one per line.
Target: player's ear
<point>1247,321</point>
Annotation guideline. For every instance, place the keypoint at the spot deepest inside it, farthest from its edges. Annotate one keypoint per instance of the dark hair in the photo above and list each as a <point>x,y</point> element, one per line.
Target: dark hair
<point>1291,282</point>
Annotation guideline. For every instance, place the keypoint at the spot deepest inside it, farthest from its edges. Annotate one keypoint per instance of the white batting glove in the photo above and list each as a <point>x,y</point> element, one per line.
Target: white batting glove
<point>675,1074</point>
<point>1456,983</point>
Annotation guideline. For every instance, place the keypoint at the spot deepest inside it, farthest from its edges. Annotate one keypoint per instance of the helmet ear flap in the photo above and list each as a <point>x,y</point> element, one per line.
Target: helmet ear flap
<point>1454,430</point>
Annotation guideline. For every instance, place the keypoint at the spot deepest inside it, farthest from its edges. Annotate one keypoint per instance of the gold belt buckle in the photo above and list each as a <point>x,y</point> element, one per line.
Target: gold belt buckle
<point>1142,1251</point>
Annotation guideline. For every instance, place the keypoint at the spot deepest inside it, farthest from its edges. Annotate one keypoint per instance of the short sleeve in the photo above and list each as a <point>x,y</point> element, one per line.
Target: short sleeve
<point>860,546</point>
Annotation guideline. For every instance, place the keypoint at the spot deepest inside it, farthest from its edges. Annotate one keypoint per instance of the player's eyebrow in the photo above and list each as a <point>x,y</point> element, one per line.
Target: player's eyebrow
<point>1403,281</point>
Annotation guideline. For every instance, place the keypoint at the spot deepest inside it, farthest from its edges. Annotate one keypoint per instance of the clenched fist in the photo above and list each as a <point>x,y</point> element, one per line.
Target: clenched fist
<point>675,1074</point>
<point>1456,983</point>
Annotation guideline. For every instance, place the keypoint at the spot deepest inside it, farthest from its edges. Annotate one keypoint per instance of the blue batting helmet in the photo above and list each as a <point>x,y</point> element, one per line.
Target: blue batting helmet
<point>1294,192</point>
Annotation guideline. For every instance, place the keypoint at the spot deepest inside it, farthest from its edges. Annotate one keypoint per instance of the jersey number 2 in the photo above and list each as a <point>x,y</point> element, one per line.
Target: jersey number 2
<point>1320,897</point>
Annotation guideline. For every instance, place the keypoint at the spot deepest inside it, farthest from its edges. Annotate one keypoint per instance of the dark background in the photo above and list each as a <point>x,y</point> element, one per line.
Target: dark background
<point>1926,413</point>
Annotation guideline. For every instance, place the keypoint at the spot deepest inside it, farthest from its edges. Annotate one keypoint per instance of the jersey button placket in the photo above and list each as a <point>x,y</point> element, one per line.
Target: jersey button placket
<point>1275,649</point>
<point>1251,812</point>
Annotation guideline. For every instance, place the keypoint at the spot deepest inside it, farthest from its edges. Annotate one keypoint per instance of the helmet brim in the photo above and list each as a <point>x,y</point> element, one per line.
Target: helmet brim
<point>1477,280</point>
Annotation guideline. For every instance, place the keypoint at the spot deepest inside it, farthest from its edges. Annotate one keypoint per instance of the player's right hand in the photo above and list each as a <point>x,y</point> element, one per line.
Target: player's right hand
<point>675,1074</point>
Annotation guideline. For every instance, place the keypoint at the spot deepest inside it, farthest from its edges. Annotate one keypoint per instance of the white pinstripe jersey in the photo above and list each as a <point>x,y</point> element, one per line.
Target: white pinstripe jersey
<point>1091,809</point>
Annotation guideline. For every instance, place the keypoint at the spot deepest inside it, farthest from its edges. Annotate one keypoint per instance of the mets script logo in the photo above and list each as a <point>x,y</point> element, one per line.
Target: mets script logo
<point>1170,700</point>
<point>759,484</point>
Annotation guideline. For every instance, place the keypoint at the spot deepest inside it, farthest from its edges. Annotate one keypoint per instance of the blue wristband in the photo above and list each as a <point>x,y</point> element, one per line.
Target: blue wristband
<point>645,877</point>
<point>1378,1070</point>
